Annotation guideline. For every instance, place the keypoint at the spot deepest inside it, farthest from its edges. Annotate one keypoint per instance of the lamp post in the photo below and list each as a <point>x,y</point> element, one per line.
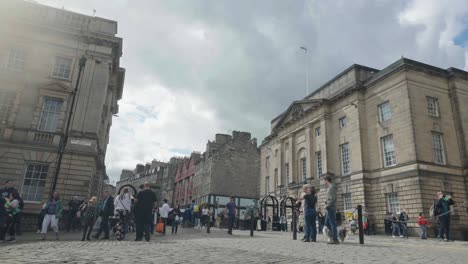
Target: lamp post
<point>64,139</point>
<point>306,68</point>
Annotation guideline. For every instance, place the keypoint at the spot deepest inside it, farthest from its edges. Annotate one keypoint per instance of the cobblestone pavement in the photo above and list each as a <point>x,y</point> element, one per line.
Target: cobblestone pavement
<point>193,246</point>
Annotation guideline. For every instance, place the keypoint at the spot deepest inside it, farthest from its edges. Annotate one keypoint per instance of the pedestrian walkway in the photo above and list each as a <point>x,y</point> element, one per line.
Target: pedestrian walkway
<point>195,246</point>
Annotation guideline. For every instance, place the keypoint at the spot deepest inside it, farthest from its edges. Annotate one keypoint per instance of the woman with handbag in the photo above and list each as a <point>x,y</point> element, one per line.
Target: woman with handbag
<point>88,214</point>
<point>175,214</point>
<point>122,207</point>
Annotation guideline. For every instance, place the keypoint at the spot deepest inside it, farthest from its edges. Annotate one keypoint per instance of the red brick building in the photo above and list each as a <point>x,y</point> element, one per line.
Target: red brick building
<point>184,180</point>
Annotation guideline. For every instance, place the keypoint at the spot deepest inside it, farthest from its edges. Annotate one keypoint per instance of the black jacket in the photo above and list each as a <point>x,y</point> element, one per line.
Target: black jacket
<point>108,208</point>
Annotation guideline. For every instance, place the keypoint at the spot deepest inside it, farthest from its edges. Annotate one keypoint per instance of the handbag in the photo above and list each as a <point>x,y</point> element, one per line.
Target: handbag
<point>160,226</point>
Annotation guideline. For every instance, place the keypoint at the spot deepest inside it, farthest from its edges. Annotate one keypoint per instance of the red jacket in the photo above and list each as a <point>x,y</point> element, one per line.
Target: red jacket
<point>422,221</point>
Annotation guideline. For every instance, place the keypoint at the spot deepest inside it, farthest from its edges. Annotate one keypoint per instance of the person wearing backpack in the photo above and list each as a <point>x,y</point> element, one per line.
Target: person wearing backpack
<point>442,212</point>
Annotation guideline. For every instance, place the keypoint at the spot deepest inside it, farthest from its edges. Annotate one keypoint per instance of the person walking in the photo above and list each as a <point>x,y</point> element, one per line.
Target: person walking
<point>144,203</point>
<point>176,216</point>
<point>442,212</point>
<point>107,210</point>
<point>53,212</point>
<point>395,226</point>
<point>403,220</point>
<point>283,223</point>
<point>205,217</point>
<point>231,210</point>
<point>3,218</point>
<point>330,207</point>
<point>13,211</point>
<point>122,212</point>
<point>310,214</point>
<point>88,217</point>
<point>73,208</point>
<point>422,222</point>
<point>165,209</point>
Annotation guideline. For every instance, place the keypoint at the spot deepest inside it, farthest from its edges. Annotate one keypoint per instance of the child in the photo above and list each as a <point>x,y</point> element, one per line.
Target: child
<point>422,222</point>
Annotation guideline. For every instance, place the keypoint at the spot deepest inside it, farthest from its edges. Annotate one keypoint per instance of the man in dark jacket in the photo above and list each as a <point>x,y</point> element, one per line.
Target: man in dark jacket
<point>442,212</point>
<point>73,206</point>
<point>105,212</point>
<point>145,202</point>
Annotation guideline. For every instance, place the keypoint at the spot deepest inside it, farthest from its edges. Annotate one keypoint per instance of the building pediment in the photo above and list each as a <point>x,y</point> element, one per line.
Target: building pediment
<point>296,111</point>
<point>57,86</point>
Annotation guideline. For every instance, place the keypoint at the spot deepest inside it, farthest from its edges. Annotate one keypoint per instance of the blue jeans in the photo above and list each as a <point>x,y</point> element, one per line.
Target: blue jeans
<point>331,223</point>
<point>395,229</point>
<point>423,232</point>
<point>311,229</point>
<point>404,229</point>
<point>444,226</point>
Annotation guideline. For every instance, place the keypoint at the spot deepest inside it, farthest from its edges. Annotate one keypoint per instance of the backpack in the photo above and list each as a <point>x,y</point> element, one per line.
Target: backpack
<point>195,209</point>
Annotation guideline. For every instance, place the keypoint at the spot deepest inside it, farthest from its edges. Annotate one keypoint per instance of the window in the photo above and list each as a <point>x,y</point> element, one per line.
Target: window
<point>6,103</point>
<point>342,122</point>
<point>267,185</point>
<point>286,172</point>
<point>50,114</point>
<point>62,68</point>
<point>276,153</point>
<point>317,131</point>
<point>267,162</point>
<point>388,150</point>
<point>16,59</point>
<point>347,201</point>
<point>345,158</point>
<point>438,147</point>
<point>304,169</point>
<point>433,106</point>
<point>34,182</point>
<point>276,178</point>
<point>384,112</point>
<point>318,160</point>
<point>393,202</point>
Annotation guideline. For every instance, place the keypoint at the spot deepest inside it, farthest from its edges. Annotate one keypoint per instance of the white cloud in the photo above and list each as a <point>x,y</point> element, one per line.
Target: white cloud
<point>196,68</point>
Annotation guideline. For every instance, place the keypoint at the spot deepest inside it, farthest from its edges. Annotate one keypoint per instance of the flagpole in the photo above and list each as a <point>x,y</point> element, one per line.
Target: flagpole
<point>306,68</point>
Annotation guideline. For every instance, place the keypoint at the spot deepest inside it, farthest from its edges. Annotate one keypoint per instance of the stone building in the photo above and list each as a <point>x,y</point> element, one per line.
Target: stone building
<point>40,50</point>
<point>391,138</point>
<point>230,166</point>
<point>183,183</point>
<point>153,173</point>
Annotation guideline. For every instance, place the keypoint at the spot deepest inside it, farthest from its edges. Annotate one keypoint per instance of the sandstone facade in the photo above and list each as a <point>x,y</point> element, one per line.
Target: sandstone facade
<point>391,138</point>
<point>39,54</point>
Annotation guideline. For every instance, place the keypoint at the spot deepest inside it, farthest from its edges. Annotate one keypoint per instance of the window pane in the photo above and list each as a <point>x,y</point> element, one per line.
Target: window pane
<point>388,151</point>
<point>384,112</point>
<point>6,104</point>
<point>345,158</point>
<point>50,114</point>
<point>62,68</point>
<point>16,59</point>
<point>318,156</point>
<point>438,148</point>
<point>34,182</point>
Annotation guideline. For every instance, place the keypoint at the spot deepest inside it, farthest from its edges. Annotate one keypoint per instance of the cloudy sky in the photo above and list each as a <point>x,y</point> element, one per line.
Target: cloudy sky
<point>197,68</point>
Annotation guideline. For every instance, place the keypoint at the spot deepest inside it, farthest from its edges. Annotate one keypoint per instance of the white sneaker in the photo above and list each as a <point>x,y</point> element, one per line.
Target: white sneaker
<point>38,232</point>
<point>393,236</point>
<point>401,236</point>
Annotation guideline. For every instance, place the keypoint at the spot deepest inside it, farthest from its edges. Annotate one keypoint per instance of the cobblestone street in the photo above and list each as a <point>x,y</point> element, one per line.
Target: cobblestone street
<point>193,246</point>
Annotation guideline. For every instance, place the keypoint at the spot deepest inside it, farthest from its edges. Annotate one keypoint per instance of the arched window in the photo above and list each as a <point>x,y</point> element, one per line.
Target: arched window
<point>301,157</point>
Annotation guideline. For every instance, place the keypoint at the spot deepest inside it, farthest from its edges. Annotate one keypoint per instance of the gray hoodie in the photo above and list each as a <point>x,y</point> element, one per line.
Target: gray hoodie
<point>331,197</point>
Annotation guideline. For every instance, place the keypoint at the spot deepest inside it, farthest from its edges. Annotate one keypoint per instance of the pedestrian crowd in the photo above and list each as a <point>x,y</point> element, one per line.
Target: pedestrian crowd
<point>139,212</point>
